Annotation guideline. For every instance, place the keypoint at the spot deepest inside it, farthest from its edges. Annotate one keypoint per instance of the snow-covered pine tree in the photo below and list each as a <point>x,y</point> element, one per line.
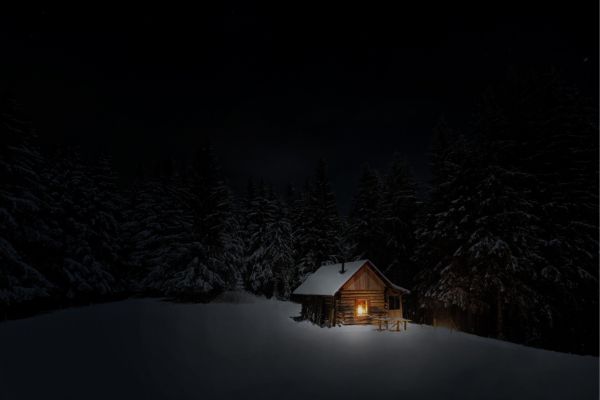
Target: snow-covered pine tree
<point>437,233</point>
<point>560,132</point>
<point>107,218</point>
<point>366,218</point>
<point>280,247</point>
<point>295,207</point>
<point>211,204</point>
<point>246,221</point>
<point>25,237</point>
<point>317,224</point>
<point>481,237</point>
<point>491,246</point>
<point>398,210</point>
<point>299,213</point>
<point>158,241</point>
<point>271,258</point>
<point>84,206</point>
<point>233,252</point>
<point>261,216</point>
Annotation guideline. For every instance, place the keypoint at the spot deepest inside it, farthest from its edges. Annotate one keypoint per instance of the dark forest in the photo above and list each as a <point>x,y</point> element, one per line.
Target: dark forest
<point>295,201</point>
<point>501,241</point>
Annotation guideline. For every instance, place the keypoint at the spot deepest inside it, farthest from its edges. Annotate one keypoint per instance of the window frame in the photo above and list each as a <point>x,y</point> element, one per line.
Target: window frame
<point>396,299</point>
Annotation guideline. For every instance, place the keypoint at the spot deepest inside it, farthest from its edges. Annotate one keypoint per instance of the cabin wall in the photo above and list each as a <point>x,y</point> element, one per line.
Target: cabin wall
<point>345,305</point>
<point>364,285</point>
<point>395,313</point>
<point>318,309</point>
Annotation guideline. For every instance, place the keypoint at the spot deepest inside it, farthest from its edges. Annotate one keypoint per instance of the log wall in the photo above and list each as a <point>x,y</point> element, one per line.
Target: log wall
<point>318,309</point>
<point>346,309</point>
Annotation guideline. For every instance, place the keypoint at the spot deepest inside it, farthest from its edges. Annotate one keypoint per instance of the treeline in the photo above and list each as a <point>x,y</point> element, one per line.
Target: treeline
<point>508,240</point>
<point>70,233</point>
<point>504,243</point>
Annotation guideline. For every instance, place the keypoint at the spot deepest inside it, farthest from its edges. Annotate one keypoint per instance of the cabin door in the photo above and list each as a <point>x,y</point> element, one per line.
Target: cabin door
<point>394,306</point>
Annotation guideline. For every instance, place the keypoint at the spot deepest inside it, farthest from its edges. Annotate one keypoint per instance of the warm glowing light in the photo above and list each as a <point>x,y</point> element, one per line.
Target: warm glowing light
<point>360,311</point>
<point>361,308</point>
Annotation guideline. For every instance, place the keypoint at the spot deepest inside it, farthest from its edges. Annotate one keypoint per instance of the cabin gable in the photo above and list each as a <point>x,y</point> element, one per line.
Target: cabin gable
<point>364,279</point>
<point>365,290</point>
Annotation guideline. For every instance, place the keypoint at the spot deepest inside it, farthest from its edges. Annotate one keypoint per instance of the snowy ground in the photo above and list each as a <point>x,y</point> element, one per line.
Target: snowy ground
<point>149,349</point>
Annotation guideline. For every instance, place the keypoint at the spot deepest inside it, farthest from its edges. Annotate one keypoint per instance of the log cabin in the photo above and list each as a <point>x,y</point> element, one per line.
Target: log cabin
<point>349,293</point>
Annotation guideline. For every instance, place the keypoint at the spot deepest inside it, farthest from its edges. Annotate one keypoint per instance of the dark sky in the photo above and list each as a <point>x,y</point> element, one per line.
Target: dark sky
<point>276,88</point>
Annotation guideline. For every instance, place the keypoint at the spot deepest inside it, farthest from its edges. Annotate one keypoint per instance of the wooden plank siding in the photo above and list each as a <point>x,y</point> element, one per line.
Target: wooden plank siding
<point>364,279</point>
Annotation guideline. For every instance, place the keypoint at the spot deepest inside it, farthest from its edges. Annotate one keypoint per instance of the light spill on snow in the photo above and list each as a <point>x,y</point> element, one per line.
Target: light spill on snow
<point>242,349</point>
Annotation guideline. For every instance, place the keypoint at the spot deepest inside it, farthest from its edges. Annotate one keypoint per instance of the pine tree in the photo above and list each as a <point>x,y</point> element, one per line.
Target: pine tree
<point>211,205</point>
<point>83,208</point>
<point>491,242</point>
<point>259,277</point>
<point>366,218</point>
<point>158,239</point>
<point>233,252</point>
<point>280,246</point>
<point>25,236</point>
<point>398,209</point>
<point>560,130</point>
<point>107,217</point>
<point>317,224</point>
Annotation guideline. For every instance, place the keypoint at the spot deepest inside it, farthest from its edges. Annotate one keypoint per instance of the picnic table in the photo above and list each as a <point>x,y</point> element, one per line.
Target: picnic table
<point>387,321</point>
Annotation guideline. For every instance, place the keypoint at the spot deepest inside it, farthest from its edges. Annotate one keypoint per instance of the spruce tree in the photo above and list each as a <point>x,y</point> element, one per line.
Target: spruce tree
<point>495,248</point>
<point>87,227</point>
<point>260,276</point>
<point>318,224</point>
<point>210,201</point>
<point>398,210</point>
<point>25,235</point>
<point>366,218</point>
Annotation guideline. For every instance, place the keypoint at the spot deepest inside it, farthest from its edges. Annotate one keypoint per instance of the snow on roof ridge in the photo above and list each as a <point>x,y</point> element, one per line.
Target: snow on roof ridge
<point>328,279</point>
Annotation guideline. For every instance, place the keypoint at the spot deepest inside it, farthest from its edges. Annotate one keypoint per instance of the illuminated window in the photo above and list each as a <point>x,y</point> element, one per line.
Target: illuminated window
<point>394,302</point>
<point>362,308</point>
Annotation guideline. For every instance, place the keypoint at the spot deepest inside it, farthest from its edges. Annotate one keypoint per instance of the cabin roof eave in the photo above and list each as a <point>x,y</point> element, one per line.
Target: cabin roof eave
<point>333,284</point>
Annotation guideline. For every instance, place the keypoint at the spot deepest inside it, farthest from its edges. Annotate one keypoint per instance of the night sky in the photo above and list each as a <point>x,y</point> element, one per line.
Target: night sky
<point>276,88</point>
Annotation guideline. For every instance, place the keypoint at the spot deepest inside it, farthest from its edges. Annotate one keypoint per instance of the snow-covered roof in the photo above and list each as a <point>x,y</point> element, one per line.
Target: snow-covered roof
<point>327,280</point>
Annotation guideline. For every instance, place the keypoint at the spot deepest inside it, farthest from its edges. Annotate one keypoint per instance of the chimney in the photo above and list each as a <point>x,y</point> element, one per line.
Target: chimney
<point>342,270</point>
